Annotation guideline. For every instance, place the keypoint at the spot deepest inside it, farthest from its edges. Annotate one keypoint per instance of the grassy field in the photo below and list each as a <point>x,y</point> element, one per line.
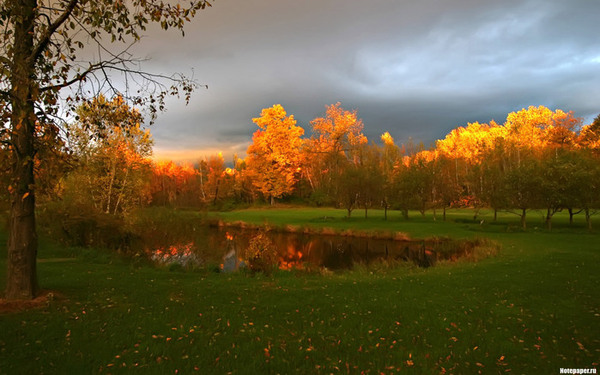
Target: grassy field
<point>532,309</point>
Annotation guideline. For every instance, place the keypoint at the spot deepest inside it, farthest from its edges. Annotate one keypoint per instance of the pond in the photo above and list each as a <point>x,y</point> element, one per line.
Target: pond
<point>224,246</point>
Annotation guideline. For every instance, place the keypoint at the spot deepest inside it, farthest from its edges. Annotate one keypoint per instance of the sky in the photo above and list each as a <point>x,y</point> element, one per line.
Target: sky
<point>417,69</point>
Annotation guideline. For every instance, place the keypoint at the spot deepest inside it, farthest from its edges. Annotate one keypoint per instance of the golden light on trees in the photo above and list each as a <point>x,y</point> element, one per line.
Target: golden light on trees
<point>113,156</point>
<point>338,131</point>
<point>274,155</point>
<point>387,139</point>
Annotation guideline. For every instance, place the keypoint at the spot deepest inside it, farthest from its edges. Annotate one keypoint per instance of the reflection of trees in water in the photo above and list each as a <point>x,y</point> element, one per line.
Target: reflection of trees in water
<point>295,250</point>
<point>336,255</point>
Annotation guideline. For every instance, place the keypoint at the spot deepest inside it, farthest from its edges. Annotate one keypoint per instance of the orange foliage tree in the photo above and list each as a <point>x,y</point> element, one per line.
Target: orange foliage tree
<point>273,162</point>
<point>174,184</point>
<point>335,141</point>
<point>217,179</point>
<point>113,153</point>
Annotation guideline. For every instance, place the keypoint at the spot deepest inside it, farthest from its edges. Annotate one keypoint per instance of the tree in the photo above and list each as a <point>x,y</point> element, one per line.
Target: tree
<point>446,190</point>
<point>420,176</point>
<point>370,176</point>
<point>42,44</point>
<point>390,164</point>
<point>523,186</point>
<point>335,141</point>
<point>113,152</point>
<point>589,137</point>
<point>174,184</point>
<point>274,155</point>
<point>219,179</point>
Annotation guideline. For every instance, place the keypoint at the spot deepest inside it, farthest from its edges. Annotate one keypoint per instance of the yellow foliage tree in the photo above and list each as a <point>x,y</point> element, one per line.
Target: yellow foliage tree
<point>273,162</point>
<point>471,142</point>
<point>339,131</point>
<point>336,139</point>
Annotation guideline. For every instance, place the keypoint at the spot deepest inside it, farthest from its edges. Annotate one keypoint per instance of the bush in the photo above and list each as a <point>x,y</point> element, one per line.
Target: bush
<point>261,255</point>
<point>319,198</point>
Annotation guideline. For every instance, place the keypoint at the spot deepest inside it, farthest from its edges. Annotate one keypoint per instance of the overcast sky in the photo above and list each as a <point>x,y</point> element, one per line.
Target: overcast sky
<point>417,69</point>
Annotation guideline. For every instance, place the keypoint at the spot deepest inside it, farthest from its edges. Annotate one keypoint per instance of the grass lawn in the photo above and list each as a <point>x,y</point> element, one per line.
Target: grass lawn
<point>532,309</point>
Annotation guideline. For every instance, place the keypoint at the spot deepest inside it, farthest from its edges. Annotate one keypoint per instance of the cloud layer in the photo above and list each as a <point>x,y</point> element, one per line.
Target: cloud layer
<point>415,69</point>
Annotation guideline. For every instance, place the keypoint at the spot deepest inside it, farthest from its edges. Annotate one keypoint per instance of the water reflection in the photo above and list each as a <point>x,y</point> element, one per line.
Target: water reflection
<point>232,259</point>
<point>182,254</point>
<point>291,258</point>
<point>300,250</point>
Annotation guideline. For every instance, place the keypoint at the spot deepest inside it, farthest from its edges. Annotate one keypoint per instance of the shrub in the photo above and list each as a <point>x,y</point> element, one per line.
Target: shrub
<point>261,254</point>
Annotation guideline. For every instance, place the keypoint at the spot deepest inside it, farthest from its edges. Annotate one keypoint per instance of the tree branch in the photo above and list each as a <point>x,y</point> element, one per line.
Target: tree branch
<point>45,38</point>
<point>78,78</point>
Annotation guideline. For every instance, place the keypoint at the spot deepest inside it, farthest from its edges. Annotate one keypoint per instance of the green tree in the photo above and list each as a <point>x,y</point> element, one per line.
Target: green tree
<point>42,44</point>
<point>446,190</point>
<point>523,188</point>
<point>370,177</point>
<point>349,188</point>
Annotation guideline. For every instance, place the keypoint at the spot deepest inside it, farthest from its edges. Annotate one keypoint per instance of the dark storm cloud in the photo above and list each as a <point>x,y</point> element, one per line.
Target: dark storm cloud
<point>416,69</point>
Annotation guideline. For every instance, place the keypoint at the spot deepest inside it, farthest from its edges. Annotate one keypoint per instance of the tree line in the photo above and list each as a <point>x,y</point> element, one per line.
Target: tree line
<point>537,159</point>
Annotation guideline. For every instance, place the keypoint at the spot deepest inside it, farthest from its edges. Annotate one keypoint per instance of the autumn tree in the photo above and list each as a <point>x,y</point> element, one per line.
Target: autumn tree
<point>347,195</point>
<point>334,142</point>
<point>589,136</point>
<point>274,156</point>
<point>113,153</point>
<point>44,46</point>
<point>446,190</point>
<point>463,151</point>
<point>175,184</point>
<point>523,188</point>
<point>413,180</point>
<point>533,130</point>
<point>493,169</point>
<point>370,177</point>
<point>219,179</point>
<point>391,158</point>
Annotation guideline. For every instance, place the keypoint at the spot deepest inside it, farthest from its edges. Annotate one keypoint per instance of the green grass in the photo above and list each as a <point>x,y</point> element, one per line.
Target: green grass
<point>532,309</point>
<point>459,222</point>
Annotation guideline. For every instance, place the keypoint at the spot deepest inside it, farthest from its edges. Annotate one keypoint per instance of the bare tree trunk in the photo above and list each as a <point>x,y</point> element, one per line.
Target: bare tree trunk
<point>549,219</point>
<point>113,172</point>
<point>22,241</point>
<point>122,192</point>
<point>217,192</point>
<point>524,218</point>
<point>571,214</point>
<point>202,184</point>
<point>588,218</point>
<point>310,181</point>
